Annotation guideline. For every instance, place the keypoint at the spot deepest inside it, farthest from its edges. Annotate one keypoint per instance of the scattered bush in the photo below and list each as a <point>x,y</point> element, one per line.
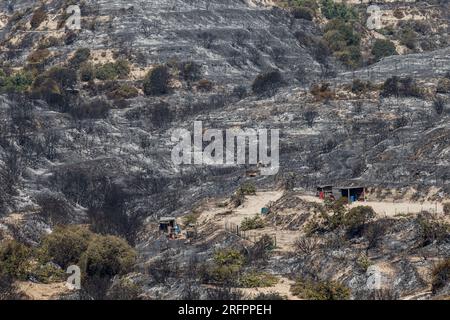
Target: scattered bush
<point>342,38</point>
<point>190,219</point>
<point>124,92</point>
<point>267,83</point>
<point>359,86</point>
<point>124,289</point>
<point>65,77</point>
<point>363,262</point>
<point>443,86</point>
<point>398,14</point>
<point>156,81</point>
<point>49,42</point>
<point>400,87</point>
<point>189,71</point>
<point>440,275</point>
<point>14,259</point>
<point>446,208</point>
<point>38,17</point>
<point>228,264</point>
<point>87,72</point>
<point>80,56</point>
<point>17,82</point>
<point>269,296</point>
<point>224,294</point>
<point>408,38</point>
<point>439,105</point>
<point>107,256</point>
<point>333,10</point>
<point>302,13</point>
<point>96,109</point>
<point>226,257</point>
<point>48,273</point>
<point>70,37</point>
<point>374,233</point>
<point>112,71</point>
<point>257,280</point>
<point>322,92</point>
<point>122,68</point>
<point>204,85</point>
<point>357,217</point>
<point>431,230</point>
<point>306,245</point>
<point>252,223</point>
<point>383,48</point>
<point>8,290</point>
<point>259,252</point>
<point>47,89</point>
<point>310,116</point>
<point>65,245</point>
<point>106,71</point>
<point>247,189</point>
<point>320,290</point>
<point>38,57</point>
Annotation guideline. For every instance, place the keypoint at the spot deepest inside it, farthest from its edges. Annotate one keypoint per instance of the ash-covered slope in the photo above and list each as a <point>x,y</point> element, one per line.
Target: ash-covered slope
<point>121,162</point>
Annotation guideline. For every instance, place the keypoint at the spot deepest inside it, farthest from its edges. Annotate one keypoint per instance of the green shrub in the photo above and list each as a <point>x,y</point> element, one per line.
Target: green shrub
<point>247,189</point>
<point>122,68</point>
<point>252,223</point>
<point>357,217</point>
<point>320,290</point>
<point>107,256</point>
<point>80,56</point>
<point>106,71</point>
<point>332,10</point>
<point>14,259</point>
<point>17,82</point>
<point>257,280</point>
<point>227,266</point>
<point>342,38</point>
<point>65,245</point>
<point>124,92</point>
<point>156,82</point>
<point>48,273</point>
<point>383,48</point>
<point>440,275</point>
<point>227,257</point>
<point>38,17</point>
